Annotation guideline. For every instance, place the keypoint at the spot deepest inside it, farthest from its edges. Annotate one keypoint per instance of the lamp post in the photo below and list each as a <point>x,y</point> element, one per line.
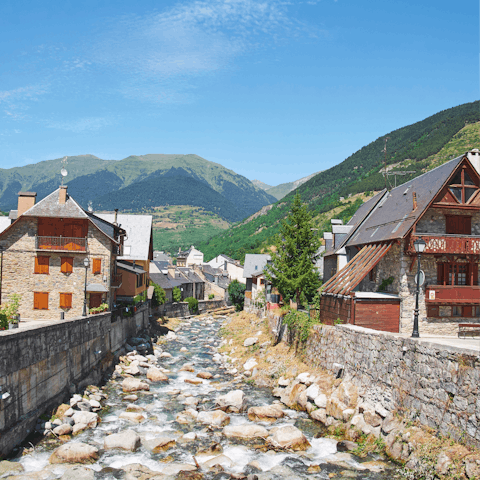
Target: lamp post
<point>419,245</point>
<point>86,264</point>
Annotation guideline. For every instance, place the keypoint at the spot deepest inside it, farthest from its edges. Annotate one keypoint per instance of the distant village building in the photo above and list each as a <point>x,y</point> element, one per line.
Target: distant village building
<point>253,273</point>
<point>189,257</point>
<point>159,256</point>
<point>43,253</point>
<point>233,267</point>
<point>370,264</point>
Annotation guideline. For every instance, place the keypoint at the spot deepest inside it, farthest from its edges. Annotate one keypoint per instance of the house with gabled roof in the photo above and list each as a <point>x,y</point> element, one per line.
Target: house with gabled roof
<point>233,267</point>
<point>253,273</point>
<point>190,257</point>
<point>43,255</point>
<point>370,269</point>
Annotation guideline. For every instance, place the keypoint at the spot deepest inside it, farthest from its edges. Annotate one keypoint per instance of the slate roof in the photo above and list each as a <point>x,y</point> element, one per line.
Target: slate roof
<point>393,216</point>
<point>228,259</point>
<point>139,231</point>
<point>190,275</point>
<point>161,257</point>
<point>137,269</point>
<point>253,260</point>
<point>211,270</point>
<point>161,265</point>
<point>162,280</point>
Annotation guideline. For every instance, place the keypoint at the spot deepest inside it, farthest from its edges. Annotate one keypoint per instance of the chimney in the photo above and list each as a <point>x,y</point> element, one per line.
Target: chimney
<point>115,218</point>
<point>171,271</point>
<point>62,197</point>
<point>414,194</point>
<point>474,157</point>
<point>26,200</point>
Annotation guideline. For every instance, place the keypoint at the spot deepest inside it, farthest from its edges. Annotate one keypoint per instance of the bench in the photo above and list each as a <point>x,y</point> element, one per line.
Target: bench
<point>472,329</point>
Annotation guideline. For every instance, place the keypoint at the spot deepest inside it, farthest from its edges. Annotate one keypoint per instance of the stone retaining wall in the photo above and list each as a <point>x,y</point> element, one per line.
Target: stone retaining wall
<point>436,384</point>
<point>41,366</point>
<point>180,309</point>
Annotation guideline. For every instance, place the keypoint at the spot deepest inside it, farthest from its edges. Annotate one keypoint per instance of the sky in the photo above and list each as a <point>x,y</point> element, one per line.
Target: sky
<point>274,90</point>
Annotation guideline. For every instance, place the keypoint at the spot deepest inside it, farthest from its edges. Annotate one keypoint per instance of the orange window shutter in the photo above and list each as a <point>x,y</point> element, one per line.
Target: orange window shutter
<point>67,264</point>
<point>44,301</point>
<point>35,301</point>
<point>65,300</point>
<point>97,265</point>
<point>42,264</point>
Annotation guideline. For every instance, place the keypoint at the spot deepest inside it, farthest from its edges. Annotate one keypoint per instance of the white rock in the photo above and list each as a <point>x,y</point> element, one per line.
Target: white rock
<point>321,401</point>
<point>88,418</point>
<point>313,391</point>
<point>233,401</point>
<point>250,341</point>
<point>249,364</point>
<point>126,440</point>
<point>383,412</point>
<point>304,378</point>
<point>283,382</point>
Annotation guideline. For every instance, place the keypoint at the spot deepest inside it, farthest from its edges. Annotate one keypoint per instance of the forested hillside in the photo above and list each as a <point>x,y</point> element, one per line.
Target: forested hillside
<point>418,147</point>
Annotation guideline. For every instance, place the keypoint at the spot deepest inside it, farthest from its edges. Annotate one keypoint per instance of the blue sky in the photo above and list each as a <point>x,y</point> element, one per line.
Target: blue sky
<point>273,89</point>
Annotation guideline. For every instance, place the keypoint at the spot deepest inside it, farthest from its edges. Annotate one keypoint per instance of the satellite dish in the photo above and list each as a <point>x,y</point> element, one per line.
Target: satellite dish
<point>64,172</point>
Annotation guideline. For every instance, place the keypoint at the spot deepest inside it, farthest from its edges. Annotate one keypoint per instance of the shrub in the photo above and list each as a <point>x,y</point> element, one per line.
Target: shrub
<point>159,297</point>
<point>236,292</point>
<point>192,304</point>
<point>103,307</point>
<point>211,296</point>
<point>177,294</point>
<point>10,309</point>
<point>3,321</point>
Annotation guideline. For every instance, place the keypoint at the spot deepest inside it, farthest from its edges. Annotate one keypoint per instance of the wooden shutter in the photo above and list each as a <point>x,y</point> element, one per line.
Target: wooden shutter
<point>432,311</point>
<point>65,300</point>
<point>42,265</point>
<point>67,264</point>
<point>97,265</point>
<point>458,224</point>
<point>40,300</point>
<point>467,311</point>
<point>440,273</point>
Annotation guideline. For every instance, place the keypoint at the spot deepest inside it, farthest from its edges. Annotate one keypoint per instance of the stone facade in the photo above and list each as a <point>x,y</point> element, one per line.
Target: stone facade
<point>44,365</point>
<point>18,266</point>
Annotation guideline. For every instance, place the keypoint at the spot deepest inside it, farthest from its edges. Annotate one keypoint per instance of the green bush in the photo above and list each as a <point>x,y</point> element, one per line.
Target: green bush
<point>236,292</point>
<point>299,324</point>
<point>3,321</point>
<point>177,294</point>
<point>211,296</point>
<point>192,304</point>
<point>102,308</point>
<point>159,297</point>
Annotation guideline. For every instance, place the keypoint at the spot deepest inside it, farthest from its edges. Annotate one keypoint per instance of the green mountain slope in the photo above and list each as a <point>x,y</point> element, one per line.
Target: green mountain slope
<point>285,188</point>
<point>419,147</point>
<point>261,185</point>
<point>90,177</point>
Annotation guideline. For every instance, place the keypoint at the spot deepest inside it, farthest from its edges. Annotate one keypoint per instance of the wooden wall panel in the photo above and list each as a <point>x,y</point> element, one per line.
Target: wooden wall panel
<point>378,315</point>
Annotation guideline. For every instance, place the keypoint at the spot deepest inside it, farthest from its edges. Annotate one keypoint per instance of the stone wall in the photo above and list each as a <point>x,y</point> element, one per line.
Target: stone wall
<point>433,221</point>
<point>180,309</point>
<point>42,366</point>
<point>18,267</point>
<point>436,384</point>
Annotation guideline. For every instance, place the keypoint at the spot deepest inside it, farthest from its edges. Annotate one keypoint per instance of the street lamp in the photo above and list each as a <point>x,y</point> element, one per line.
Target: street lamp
<point>86,264</point>
<point>419,245</point>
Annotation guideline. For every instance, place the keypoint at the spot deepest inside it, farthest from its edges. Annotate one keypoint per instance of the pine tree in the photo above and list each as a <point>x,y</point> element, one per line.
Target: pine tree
<point>292,269</point>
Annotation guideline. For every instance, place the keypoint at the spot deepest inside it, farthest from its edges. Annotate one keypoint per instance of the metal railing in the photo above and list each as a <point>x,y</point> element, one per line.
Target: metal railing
<point>66,244</point>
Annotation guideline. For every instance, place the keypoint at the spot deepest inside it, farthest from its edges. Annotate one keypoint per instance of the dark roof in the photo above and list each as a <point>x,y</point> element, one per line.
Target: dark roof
<point>137,269</point>
<point>210,270</point>
<point>161,280</point>
<point>228,259</point>
<point>393,215</point>
<point>184,253</point>
<point>161,265</point>
<point>190,275</point>
<point>106,227</point>
<point>177,281</point>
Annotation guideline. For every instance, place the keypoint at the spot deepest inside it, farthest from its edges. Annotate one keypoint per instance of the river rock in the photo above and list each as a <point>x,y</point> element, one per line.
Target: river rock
<point>155,375</point>
<point>176,468</point>
<point>269,413</point>
<point>78,428</point>
<point>88,418</point>
<point>205,375</point>
<point>11,468</point>
<point>217,418</point>
<point>313,391</point>
<point>78,473</point>
<point>64,429</point>
<point>131,407</point>
<point>191,402</point>
<point>320,415</point>
<point>288,438</point>
<point>130,398</point>
<point>187,416</point>
<point>159,444</point>
<point>126,440</point>
<point>250,341</point>
<point>188,367</point>
<point>134,385</point>
<point>283,382</point>
<point>250,364</point>
<point>245,431</point>
<point>74,453</point>
<point>321,401</point>
<point>232,402</point>
<point>222,460</point>
<point>305,378</point>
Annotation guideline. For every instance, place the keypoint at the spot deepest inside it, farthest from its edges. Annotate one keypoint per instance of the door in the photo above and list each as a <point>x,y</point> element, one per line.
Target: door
<point>95,300</point>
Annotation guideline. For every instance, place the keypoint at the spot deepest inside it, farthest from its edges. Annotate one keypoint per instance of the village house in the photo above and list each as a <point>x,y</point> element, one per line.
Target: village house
<point>254,276</point>
<point>371,263</point>
<point>134,263</point>
<point>189,257</point>
<point>233,267</point>
<point>55,254</point>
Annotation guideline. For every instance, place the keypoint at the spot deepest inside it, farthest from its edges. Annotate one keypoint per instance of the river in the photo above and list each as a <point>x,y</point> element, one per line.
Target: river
<point>193,348</point>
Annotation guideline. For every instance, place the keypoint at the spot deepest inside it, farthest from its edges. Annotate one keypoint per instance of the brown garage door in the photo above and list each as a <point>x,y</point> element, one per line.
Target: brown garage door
<point>378,315</point>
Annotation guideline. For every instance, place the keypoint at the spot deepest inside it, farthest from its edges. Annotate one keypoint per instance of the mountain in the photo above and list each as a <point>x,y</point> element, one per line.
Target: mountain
<point>261,185</point>
<point>418,147</point>
<point>91,179</point>
<point>284,188</point>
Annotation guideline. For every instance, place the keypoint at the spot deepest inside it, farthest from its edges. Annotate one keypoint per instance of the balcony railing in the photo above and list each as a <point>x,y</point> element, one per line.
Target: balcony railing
<point>116,280</point>
<point>452,294</point>
<point>61,244</point>
<point>459,244</point>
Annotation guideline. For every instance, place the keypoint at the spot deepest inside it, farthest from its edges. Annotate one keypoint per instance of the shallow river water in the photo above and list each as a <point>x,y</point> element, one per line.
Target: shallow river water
<point>161,404</point>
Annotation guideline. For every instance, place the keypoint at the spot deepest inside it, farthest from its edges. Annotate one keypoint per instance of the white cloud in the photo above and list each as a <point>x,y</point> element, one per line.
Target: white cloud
<point>79,125</point>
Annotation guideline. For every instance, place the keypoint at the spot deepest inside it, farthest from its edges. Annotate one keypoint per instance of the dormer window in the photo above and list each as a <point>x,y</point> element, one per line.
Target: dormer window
<point>462,187</point>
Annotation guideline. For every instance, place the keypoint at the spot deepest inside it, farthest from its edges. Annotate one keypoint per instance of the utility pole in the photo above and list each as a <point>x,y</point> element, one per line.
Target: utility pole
<point>385,151</point>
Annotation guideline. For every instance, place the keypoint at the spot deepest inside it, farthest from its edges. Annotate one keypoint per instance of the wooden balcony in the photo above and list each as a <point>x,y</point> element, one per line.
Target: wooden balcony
<point>452,294</point>
<point>116,280</point>
<point>455,244</point>
<point>61,244</point>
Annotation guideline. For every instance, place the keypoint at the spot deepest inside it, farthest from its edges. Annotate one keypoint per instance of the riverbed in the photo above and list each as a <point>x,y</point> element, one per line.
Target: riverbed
<point>194,349</point>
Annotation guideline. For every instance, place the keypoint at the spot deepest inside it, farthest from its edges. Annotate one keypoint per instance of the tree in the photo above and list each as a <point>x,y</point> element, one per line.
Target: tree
<point>236,292</point>
<point>159,295</point>
<point>177,294</point>
<point>292,269</point>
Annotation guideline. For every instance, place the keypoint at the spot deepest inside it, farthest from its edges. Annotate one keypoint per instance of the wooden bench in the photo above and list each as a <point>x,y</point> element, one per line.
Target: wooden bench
<point>468,328</point>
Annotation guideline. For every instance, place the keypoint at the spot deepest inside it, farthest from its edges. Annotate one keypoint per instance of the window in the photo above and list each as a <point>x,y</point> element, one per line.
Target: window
<point>67,265</point>
<point>65,300</point>
<point>456,273</point>
<point>463,187</point>
<point>458,224</point>
<point>456,311</point>
<point>139,280</point>
<point>40,300</point>
<point>97,266</point>
<point>476,310</point>
<point>42,265</point>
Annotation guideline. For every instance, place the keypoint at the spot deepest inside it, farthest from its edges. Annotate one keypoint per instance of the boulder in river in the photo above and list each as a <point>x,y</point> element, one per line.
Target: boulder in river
<point>288,438</point>
<point>187,416</point>
<point>159,444</point>
<point>268,413</point>
<point>11,468</point>
<point>90,419</point>
<point>74,453</point>
<point>232,402</point>
<point>132,417</point>
<point>78,472</point>
<point>205,375</point>
<point>126,440</point>
<point>245,431</point>
<point>155,375</point>
<point>134,385</point>
<point>217,418</point>
<point>64,429</point>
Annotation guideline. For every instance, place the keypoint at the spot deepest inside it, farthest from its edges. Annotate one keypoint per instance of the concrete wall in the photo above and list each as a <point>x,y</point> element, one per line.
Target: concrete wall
<point>436,384</point>
<point>40,367</point>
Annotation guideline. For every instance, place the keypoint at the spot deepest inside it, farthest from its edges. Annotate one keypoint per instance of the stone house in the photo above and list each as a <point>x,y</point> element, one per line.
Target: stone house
<point>134,263</point>
<point>189,257</point>
<point>254,276</point>
<point>43,253</point>
<point>233,267</point>
<point>370,268</point>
